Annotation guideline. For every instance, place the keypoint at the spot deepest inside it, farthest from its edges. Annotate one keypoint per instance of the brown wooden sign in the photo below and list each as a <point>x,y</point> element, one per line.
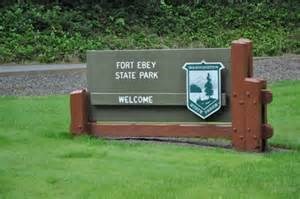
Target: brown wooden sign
<point>174,93</point>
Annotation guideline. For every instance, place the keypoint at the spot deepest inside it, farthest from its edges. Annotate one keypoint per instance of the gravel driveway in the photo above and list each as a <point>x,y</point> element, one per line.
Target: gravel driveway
<point>64,81</point>
<point>278,68</point>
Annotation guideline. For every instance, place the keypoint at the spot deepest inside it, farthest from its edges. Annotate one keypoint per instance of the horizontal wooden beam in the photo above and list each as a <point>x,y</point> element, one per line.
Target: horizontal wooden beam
<point>161,130</point>
<point>267,131</point>
<point>267,96</point>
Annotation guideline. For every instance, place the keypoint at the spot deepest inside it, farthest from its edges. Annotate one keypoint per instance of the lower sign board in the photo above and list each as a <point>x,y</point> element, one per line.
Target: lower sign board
<point>208,93</point>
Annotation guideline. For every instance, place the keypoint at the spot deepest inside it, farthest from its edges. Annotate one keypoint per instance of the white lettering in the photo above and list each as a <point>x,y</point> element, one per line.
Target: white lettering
<point>125,75</point>
<point>124,65</point>
<point>145,65</point>
<point>148,75</point>
<point>136,99</point>
<point>153,64</point>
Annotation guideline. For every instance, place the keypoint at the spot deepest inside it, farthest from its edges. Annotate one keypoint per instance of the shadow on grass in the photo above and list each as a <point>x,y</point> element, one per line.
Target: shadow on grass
<point>138,141</point>
<point>62,135</point>
<point>77,154</point>
<point>4,140</point>
<point>52,180</point>
<point>83,154</point>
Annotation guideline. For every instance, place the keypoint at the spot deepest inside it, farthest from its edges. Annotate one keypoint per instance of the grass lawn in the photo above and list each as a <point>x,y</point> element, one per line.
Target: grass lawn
<point>39,159</point>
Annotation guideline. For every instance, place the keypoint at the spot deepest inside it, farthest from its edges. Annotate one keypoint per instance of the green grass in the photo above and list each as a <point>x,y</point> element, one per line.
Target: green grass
<point>284,114</point>
<point>39,159</point>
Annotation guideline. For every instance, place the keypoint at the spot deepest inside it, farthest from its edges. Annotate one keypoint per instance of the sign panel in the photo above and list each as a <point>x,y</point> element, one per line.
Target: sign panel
<point>148,85</point>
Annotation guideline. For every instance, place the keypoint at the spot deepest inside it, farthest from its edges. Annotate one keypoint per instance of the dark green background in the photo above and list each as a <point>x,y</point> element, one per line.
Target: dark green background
<point>172,79</point>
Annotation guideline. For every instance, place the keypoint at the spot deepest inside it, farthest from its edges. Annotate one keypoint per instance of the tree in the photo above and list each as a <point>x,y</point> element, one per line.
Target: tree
<point>208,87</point>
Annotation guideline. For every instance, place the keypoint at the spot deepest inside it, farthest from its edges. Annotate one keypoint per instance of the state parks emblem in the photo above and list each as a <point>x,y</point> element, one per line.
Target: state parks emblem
<point>203,87</point>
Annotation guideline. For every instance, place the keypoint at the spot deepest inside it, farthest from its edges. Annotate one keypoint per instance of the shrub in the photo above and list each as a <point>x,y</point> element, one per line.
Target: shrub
<point>59,32</point>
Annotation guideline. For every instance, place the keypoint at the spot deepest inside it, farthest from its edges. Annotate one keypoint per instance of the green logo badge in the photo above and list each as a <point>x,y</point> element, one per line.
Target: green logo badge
<point>203,87</point>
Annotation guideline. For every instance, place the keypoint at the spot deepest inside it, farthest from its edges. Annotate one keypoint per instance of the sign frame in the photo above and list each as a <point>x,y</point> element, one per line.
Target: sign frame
<point>248,130</point>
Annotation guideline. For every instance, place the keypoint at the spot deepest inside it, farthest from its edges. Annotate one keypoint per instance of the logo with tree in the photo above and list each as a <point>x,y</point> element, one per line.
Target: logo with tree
<point>203,87</point>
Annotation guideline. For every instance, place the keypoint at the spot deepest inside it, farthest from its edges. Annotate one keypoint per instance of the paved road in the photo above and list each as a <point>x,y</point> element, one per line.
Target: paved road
<point>39,67</point>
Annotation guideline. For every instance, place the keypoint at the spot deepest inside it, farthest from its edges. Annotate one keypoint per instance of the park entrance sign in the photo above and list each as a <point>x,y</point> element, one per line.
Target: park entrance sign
<point>174,93</point>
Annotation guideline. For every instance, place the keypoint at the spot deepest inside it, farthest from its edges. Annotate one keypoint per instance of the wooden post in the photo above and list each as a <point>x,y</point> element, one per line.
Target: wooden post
<point>253,117</point>
<point>248,101</point>
<point>79,112</point>
<point>240,68</point>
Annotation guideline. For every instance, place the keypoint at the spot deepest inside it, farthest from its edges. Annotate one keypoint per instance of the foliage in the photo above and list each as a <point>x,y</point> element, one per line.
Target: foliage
<point>195,89</point>
<point>39,158</point>
<point>62,31</point>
